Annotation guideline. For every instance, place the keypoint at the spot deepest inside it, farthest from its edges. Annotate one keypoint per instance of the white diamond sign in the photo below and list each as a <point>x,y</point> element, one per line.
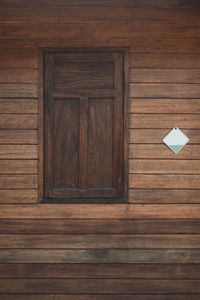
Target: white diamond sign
<point>176,140</point>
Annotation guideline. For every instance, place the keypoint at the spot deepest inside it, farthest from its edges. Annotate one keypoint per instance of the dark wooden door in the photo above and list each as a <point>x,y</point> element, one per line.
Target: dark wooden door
<point>84,125</point>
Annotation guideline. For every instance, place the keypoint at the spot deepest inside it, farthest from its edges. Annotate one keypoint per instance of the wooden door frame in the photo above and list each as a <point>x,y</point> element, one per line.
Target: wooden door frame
<point>42,51</point>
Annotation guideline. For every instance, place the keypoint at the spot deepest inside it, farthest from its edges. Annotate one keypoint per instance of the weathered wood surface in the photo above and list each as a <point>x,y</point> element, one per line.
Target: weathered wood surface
<point>100,211</point>
<point>19,106</point>
<point>18,151</point>
<point>108,241</point>
<point>163,60</point>
<point>18,196</point>
<point>161,151</point>
<point>18,121</point>
<point>159,90</point>
<point>18,137</point>
<point>172,196</point>
<point>155,136</point>
<point>184,256</point>
<point>107,249</point>
<point>99,286</point>
<point>108,3</point>
<point>18,181</point>
<point>97,226</point>
<point>164,75</point>
<point>147,271</point>
<point>100,297</point>
<point>18,166</point>
<point>18,76</point>
<point>164,121</point>
<point>139,166</point>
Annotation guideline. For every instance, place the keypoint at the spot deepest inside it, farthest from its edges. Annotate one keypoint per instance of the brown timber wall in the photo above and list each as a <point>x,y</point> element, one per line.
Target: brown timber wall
<point>149,248</point>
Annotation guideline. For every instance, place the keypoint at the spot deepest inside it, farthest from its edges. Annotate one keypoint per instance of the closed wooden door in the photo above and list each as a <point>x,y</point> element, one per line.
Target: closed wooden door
<point>84,125</point>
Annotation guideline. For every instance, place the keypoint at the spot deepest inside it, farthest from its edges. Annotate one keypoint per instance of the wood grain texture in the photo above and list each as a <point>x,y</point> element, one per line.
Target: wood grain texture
<point>164,121</point>
<point>95,249</point>
<point>100,297</point>
<point>139,46</point>
<point>99,286</point>
<point>18,76</point>
<point>107,30</point>
<point>88,211</point>
<point>18,121</point>
<point>163,181</point>
<point>18,181</point>
<point>26,241</point>
<point>18,106</point>
<point>18,151</point>
<point>171,106</point>
<point>150,196</point>
<point>19,137</point>
<point>164,75</point>
<point>162,152</point>
<point>126,3</point>
<point>158,90</point>
<point>14,90</point>
<point>18,167</point>
<point>99,256</point>
<point>18,60</point>
<point>97,226</point>
<point>18,196</point>
<point>102,14</point>
<point>171,61</point>
<point>166,46</point>
<point>140,166</point>
<point>151,271</point>
<point>155,136</point>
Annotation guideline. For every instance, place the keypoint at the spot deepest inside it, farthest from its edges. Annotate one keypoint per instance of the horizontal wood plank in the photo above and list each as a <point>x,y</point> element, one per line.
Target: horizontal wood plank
<point>14,90</point>
<point>18,181</point>
<point>164,90</point>
<point>25,106</point>
<point>171,61</point>
<point>164,76</point>
<point>164,121</point>
<point>151,271</point>
<point>18,121</point>
<point>139,46</point>
<point>94,226</point>
<point>100,211</point>
<point>164,181</point>
<point>38,28</point>
<point>171,106</point>
<point>108,241</point>
<point>18,60</point>
<point>99,286</point>
<point>18,76</point>
<point>99,256</point>
<point>155,136</point>
<point>18,152</point>
<point>163,152</point>
<point>77,3</point>
<point>102,14</point>
<point>150,196</point>
<point>18,196</point>
<point>18,166</point>
<point>99,297</point>
<point>19,137</point>
<point>137,166</point>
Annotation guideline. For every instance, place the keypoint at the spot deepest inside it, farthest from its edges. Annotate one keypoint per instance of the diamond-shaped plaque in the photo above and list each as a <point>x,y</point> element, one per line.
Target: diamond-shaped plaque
<point>176,140</point>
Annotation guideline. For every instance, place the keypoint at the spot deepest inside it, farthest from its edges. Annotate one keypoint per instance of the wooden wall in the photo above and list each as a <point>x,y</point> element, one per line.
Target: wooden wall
<point>149,248</point>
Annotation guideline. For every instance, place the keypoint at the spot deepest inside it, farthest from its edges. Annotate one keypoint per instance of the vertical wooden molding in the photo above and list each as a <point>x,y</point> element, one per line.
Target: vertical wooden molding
<point>126,122</point>
<point>41,128</point>
<point>83,141</point>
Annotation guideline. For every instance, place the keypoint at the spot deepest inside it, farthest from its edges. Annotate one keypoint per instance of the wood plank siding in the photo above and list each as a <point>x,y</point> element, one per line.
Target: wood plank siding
<point>149,247</point>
